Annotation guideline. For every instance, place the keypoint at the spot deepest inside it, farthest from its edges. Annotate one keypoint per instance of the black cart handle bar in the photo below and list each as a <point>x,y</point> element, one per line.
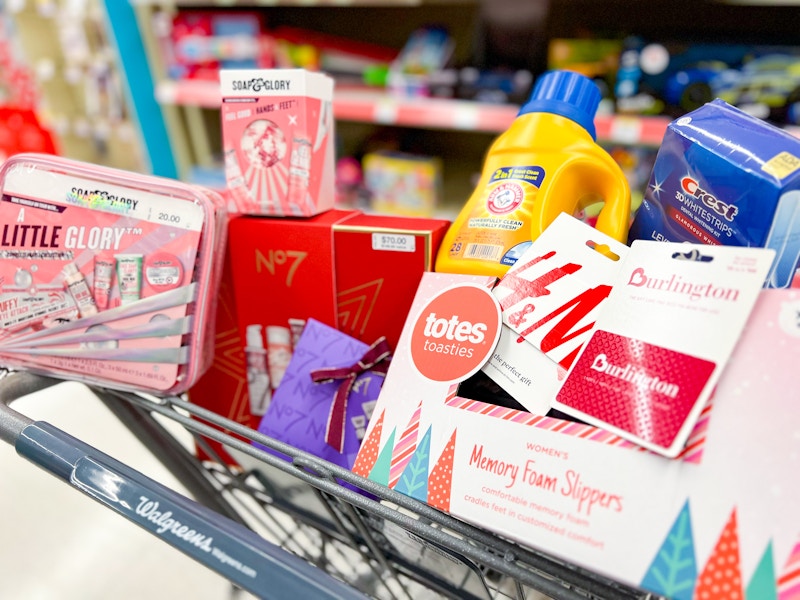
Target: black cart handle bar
<point>224,546</point>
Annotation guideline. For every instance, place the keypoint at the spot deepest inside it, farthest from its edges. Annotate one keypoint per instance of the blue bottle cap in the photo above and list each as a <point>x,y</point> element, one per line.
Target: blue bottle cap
<point>568,94</point>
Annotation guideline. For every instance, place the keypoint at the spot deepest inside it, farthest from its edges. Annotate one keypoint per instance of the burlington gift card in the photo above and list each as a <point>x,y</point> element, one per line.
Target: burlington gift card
<point>670,324</point>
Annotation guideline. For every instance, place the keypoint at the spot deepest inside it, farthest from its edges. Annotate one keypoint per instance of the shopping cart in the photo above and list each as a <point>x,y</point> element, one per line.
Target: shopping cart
<point>294,527</point>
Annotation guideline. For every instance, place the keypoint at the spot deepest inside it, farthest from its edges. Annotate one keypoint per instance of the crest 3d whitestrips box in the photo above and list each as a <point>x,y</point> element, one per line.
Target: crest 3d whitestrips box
<point>725,177</point>
<point>106,276</point>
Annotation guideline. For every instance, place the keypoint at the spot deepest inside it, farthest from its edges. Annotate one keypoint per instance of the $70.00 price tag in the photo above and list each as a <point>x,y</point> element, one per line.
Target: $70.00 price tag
<point>393,241</point>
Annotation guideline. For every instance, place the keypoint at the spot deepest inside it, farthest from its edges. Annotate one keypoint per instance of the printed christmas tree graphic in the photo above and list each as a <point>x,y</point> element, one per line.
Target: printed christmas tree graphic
<point>674,569</point>
<point>368,453</point>
<point>414,480</point>
<point>762,585</point>
<point>441,478</point>
<point>721,577</point>
<point>789,581</point>
<point>380,470</point>
<point>405,447</point>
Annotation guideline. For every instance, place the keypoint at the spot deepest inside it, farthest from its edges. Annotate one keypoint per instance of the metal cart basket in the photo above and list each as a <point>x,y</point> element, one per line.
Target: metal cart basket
<point>298,527</point>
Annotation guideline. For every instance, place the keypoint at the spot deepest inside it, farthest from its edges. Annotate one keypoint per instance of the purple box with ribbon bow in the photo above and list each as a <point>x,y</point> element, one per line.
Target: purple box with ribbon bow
<point>327,395</point>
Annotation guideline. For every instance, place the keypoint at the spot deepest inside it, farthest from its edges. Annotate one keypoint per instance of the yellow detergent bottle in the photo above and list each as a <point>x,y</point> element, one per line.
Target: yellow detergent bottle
<point>546,163</point>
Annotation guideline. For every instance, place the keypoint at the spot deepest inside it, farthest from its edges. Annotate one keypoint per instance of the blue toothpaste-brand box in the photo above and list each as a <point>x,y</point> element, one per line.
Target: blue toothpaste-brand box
<point>724,177</point>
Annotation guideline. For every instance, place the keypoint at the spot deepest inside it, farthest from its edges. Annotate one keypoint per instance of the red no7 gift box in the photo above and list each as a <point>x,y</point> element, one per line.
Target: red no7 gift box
<point>355,272</point>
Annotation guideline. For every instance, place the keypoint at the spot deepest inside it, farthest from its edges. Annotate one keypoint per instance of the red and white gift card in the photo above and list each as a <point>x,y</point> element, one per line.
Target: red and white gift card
<point>550,299</point>
<point>665,334</point>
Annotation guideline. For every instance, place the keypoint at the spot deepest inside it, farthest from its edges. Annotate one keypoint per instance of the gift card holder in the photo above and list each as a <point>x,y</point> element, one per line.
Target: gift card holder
<point>550,300</point>
<point>669,326</point>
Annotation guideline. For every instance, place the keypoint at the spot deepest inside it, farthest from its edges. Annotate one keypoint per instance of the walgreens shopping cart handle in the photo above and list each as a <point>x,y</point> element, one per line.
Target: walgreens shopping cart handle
<point>233,551</point>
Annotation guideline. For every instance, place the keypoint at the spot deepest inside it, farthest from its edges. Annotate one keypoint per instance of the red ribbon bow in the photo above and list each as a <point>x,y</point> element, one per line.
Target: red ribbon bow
<point>376,359</point>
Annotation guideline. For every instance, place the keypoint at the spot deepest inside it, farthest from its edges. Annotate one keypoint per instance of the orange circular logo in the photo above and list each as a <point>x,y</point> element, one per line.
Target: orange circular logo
<point>456,333</point>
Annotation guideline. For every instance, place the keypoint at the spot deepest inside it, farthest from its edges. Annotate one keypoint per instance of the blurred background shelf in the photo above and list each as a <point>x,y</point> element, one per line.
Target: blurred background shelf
<point>486,35</point>
<point>168,122</point>
<point>90,89</point>
<point>370,106</point>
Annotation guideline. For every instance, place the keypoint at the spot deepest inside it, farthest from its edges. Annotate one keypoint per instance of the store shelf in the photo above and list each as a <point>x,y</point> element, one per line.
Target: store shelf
<point>370,106</point>
<point>265,3</point>
<point>78,82</point>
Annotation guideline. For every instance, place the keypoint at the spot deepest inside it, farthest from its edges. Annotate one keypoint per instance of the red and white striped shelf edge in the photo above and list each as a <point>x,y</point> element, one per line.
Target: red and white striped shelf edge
<point>430,113</point>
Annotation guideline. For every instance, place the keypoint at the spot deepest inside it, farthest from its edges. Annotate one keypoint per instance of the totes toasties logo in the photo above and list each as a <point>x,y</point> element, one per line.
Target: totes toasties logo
<point>455,333</point>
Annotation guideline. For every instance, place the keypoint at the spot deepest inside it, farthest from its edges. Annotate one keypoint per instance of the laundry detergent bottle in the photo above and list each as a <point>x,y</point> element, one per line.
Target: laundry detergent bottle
<point>546,163</point>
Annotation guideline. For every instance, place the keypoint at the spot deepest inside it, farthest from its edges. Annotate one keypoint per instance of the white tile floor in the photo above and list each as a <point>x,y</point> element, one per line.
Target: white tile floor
<point>56,543</point>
